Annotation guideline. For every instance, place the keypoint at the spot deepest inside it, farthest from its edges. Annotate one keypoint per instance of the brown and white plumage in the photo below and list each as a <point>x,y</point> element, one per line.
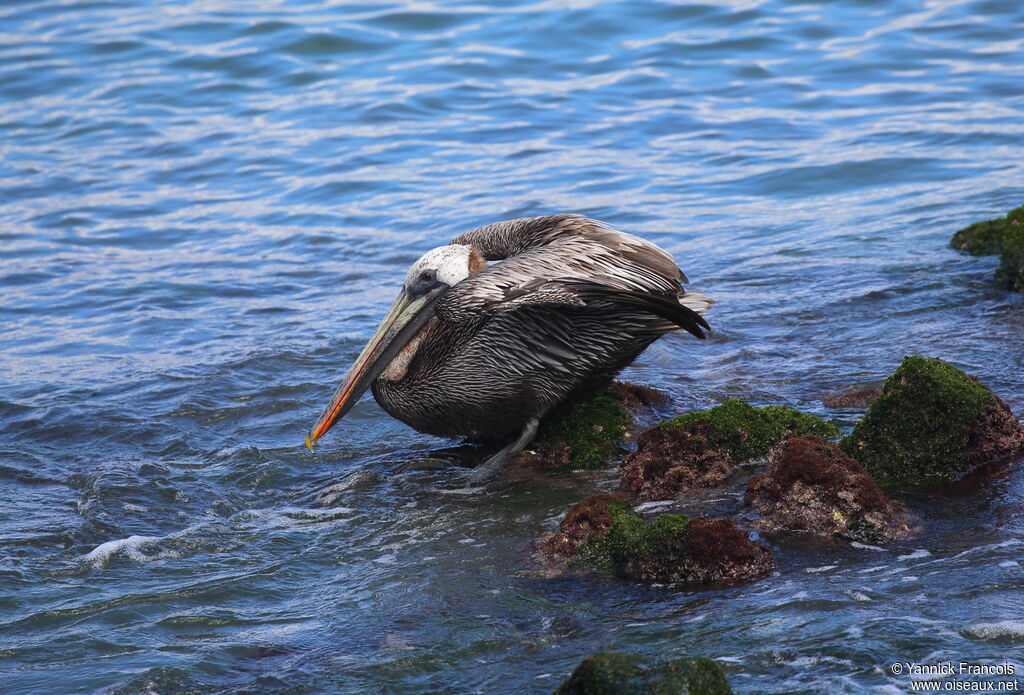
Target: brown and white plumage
<point>551,260</point>
<point>485,351</point>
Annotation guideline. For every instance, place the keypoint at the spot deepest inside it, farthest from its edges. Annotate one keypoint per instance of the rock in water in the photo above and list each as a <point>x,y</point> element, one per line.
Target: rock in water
<point>931,424</point>
<point>587,519</point>
<point>1005,236</point>
<point>812,486</point>
<point>1011,260</point>
<point>602,533</point>
<point>618,673</point>
<point>858,398</point>
<point>587,434</point>
<point>700,449</point>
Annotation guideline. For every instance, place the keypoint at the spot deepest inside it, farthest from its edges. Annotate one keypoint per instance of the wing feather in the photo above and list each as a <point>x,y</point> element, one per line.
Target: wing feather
<point>569,260</point>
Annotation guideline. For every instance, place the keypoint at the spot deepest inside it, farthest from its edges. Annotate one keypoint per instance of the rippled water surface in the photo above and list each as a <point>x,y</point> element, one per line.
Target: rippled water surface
<point>206,206</point>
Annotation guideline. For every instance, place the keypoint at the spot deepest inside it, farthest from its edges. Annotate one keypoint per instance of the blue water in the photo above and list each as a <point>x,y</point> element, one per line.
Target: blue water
<point>205,207</point>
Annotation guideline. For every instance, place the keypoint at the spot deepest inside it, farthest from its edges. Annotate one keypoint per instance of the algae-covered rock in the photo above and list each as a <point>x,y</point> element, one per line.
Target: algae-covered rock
<point>672,548</point>
<point>587,519</point>
<point>586,434</point>
<point>812,486</point>
<point>700,449</point>
<point>618,673</point>
<point>1004,236</point>
<point>986,238</point>
<point>932,423</point>
<point>1011,260</point>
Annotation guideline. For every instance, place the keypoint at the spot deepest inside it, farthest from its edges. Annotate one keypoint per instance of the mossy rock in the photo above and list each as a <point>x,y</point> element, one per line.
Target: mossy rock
<point>672,548</point>
<point>584,435</point>
<point>587,519</point>
<point>811,486</point>
<point>1011,261</point>
<point>630,536</point>
<point>931,423</point>
<point>746,432</point>
<point>1005,236</point>
<point>700,450</point>
<point>618,673</point>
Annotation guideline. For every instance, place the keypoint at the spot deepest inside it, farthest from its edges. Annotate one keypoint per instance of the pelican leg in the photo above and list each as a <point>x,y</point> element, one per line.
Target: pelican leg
<point>491,466</point>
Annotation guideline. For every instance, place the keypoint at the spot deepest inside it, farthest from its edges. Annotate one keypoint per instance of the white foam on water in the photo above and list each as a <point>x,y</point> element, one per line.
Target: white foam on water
<point>817,570</point>
<point>917,554</point>
<point>1004,629</point>
<point>130,548</point>
<point>656,504</point>
<point>330,494</point>
<point>869,570</point>
<point>865,546</point>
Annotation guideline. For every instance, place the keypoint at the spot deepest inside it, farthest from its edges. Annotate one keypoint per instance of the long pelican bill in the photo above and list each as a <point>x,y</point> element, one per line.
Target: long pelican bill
<point>403,320</point>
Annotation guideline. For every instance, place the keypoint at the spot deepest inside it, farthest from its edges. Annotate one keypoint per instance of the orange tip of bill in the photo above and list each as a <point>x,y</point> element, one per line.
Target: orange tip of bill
<point>309,441</point>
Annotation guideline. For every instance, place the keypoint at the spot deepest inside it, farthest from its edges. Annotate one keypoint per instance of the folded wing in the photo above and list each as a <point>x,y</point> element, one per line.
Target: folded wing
<point>569,260</point>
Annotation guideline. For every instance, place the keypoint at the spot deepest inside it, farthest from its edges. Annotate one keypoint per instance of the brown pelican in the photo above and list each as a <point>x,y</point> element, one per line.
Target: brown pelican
<point>484,351</point>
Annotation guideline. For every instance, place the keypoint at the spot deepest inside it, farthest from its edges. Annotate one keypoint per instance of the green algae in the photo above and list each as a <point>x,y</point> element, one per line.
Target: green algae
<point>630,537</point>
<point>918,430</point>
<point>590,430</point>
<point>981,238</point>
<point>1011,261</point>
<point>619,673</point>
<point>746,432</point>
<point>1005,236</point>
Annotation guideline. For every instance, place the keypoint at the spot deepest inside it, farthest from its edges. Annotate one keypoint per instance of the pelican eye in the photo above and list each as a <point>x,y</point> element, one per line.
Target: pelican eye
<point>428,276</point>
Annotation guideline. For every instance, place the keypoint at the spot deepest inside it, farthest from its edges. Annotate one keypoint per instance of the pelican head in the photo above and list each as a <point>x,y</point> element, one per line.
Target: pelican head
<point>428,278</point>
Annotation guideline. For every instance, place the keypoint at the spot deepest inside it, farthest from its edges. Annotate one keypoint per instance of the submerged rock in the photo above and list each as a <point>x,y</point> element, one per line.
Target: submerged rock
<point>812,486</point>
<point>586,434</point>
<point>700,449</point>
<point>1005,236</point>
<point>602,533</point>
<point>931,424</point>
<point>858,398</point>
<point>618,673</point>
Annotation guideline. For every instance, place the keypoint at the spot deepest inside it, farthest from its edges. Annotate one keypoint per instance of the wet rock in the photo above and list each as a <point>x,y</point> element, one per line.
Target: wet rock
<point>1005,236</point>
<point>672,548</point>
<point>618,673</point>
<point>637,399</point>
<point>931,424</point>
<point>858,398</point>
<point>668,461</point>
<point>812,486</point>
<point>1011,261</point>
<point>986,238</point>
<point>586,434</point>
<point>700,449</point>
<point>588,519</point>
